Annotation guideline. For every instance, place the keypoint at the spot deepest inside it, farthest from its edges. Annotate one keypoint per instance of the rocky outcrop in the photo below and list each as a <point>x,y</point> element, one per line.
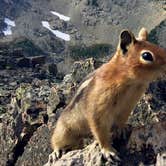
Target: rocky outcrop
<point>35,153</point>
<point>20,53</point>
<point>27,106</point>
<point>23,116</point>
<point>138,146</point>
<point>27,122</point>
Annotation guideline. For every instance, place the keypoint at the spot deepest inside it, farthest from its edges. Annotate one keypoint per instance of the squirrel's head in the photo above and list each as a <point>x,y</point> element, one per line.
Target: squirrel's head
<point>142,59</point>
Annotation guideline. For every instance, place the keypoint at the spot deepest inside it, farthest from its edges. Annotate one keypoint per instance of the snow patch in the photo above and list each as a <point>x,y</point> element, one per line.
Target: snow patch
<point>61,16</point>
<point>8,29</point>
<point>46,24</point>
<point>61,35</point>
<point>9,22</point>
<point>57,33</point>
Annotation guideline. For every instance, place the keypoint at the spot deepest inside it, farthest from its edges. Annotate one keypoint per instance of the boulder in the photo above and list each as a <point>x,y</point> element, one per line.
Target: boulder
<point>37,149</point>
<point>136,146</point>
<point>37,60</point>
<point>23,62</point>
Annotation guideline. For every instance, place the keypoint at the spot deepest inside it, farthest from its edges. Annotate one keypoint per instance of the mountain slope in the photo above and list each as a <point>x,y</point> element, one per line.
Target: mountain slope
<point>92,21</point>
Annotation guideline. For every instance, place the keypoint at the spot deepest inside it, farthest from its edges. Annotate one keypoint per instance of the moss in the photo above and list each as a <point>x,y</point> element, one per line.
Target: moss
<point>23,97</point>
<point>97,50</point>
<point>21,91</point>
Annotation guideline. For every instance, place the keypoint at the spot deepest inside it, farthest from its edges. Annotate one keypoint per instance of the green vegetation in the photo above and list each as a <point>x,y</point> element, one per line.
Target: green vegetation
<point>97,50</point>
<point>27,46</point>
<point>22,91</point>
<point>23,94</point>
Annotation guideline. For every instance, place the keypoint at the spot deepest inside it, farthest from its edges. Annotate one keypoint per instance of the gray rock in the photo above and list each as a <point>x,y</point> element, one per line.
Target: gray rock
<point>37,60</point>
<point>23,62</point>
<point>95,14</point>
<point>54,100</point>
<point>141,145</point>
<point>37,149</point>
<point>81,69</point>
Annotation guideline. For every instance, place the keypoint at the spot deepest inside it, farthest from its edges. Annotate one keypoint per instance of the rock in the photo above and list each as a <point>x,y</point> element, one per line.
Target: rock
<point>26,112</point>
<point>13,83</point>
<point>54,100</point>
<point>151,135</point>
<point>32,102</point>
<point>14,55</point>
<point>3,64</point>
<point>23,62</point>
<point>146,143</point>
<point>16,52</point>
<point>23,108</point>
<point>33,108</point>
<point>151,108</point>
<point>52,68</point>
<point>157,35</point>
<point>37,60</point>
<point>138,144</point>
<point>88,156</point>
<point>11,127</point>
<point>37,149</point>
<point>81,69</point>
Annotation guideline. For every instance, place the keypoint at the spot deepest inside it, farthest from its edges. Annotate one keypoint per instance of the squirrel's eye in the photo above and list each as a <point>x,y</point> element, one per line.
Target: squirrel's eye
<point>147,56</point>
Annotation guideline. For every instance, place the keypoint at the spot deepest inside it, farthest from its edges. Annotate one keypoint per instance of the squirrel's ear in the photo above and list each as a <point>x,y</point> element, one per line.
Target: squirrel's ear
<point>143,34</point>
<point>125,40</point>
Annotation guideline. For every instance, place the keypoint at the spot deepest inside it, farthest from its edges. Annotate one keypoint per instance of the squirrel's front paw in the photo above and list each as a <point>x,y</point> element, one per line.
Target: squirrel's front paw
<point>56,154</point>
<point>53,157</point>
<point>110,154</point>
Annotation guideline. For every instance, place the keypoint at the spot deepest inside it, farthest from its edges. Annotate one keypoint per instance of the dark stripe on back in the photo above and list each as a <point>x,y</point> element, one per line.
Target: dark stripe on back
<point>83,92</point>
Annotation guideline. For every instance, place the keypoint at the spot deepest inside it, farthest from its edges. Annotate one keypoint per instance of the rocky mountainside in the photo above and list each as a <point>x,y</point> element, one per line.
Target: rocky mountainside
<point>91,21</point>
<point>31,103</point>
<point>40,72</point>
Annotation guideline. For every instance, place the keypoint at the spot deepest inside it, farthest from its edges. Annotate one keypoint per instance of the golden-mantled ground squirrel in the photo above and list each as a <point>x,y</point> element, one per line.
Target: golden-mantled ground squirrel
<point>107,97</point>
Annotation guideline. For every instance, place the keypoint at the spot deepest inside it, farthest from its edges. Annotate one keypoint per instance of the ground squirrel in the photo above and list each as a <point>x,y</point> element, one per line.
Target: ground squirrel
<point>107,97</point>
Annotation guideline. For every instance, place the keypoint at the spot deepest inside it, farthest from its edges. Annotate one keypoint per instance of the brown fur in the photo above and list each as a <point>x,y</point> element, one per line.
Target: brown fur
<point>107,97</point>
